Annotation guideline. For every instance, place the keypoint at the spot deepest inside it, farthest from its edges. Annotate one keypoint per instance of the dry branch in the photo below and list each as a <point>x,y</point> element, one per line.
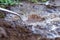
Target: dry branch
<point>6,10</point>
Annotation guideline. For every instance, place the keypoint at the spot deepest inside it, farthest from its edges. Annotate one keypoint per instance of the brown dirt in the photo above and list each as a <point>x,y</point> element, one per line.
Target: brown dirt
<point>35,17</point>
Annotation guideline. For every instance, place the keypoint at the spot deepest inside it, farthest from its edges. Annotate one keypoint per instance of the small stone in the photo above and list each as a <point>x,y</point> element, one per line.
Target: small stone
<point>16,18</point>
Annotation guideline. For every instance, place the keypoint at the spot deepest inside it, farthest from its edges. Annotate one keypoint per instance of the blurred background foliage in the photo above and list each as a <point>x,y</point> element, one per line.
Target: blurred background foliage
<point>37,1</point>
<point>7,3</point>
<point>12,2</point>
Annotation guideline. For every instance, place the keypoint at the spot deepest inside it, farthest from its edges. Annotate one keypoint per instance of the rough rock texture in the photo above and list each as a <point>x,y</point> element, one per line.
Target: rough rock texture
<point>9,33</point>
<point>18,33</point>
<point>48,28</point>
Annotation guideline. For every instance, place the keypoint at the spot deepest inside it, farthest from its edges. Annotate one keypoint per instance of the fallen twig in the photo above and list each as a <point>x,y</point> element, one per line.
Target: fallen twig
<point>2,9</point>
